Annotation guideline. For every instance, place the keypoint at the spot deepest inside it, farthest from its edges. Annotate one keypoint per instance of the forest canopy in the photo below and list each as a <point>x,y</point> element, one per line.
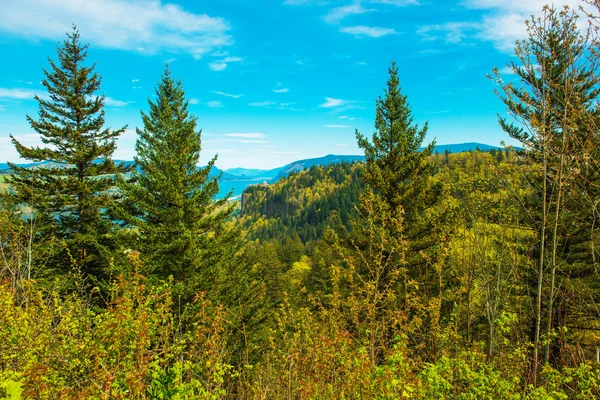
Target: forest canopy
<point>413,274</point>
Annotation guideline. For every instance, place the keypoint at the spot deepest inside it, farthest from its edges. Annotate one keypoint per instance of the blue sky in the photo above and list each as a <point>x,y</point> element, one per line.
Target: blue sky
<point>272,81</point>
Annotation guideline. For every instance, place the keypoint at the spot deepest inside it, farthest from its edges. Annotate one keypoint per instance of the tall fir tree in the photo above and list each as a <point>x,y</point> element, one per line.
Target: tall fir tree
<point>399,175</point>
<point>71,190</point>
<point>180,229</point>
<point>399,171</point>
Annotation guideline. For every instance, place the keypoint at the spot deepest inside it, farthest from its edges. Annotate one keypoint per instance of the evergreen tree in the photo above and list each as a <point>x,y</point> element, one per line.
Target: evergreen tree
<point>181,229</point>
<point>397,169</point>
<point>555,106</point>
<point>70,192</point>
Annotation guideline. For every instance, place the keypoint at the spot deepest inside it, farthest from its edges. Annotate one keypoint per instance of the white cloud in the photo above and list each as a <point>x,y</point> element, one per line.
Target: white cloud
<point>331,102</point>
<point>233,96</point>
<point>343,116</point>
<point>371,31</point>
<point>110,102</point>
<point>502,24</point>
<point>400,3</point>
<point>339,13</point>
<point>145,26</point>
<point>247,141</point>
<point>193,101</point>
<point>449,32</point>
<point>214,104</point>
<point>27,94</point>
<point>342,144</point>
<point>135,80</point>
<point>506,71</point>
<point>519,6</point>
<point>255,135</point>
<point>220,65</point>
<point>262,104</point>
<point>337,126</point>
<point>283,90</point>
<point>21,94</point>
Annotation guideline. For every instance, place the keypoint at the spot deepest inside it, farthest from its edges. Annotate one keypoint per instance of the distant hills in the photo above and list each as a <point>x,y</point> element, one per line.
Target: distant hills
<point>296,166</point>
<point>237,179</point>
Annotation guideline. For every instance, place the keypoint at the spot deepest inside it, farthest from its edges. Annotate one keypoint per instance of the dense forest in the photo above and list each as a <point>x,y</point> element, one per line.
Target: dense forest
<point>412,274</point>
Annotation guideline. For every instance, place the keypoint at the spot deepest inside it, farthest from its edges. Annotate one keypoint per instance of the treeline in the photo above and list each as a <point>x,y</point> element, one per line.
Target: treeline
<point>411,275</point>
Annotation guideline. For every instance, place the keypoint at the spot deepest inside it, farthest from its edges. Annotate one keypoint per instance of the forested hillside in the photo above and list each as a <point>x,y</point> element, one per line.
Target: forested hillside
<point>411,274</point>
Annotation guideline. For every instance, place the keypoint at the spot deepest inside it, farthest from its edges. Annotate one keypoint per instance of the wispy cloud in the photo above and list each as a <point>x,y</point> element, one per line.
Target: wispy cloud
<point>449,32</point>
<point>342,144</point>
<point>371,31</point>
<point>27,94</point>
<point>214,104</point>
<point>282,90</point>
<point>249,141</point>
<point>21,94</point>
<point>330,102</point>
<point>193,101</point>
<point>135,80</point>
<point>400,3</point>
<point>506,71</point>
<point>110,102</point>
<point>262,104</point>
<point>339,13</point>
<point>337,126</point>
<point>220,65</point>
<point>2,108</point>
<point>233,96</point>
<point>143,26</point>
<point>502,24</point>
<point>251,135</point>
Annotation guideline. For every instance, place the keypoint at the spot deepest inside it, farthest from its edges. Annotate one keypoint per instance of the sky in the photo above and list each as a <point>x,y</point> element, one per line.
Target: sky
<point>272,81</point>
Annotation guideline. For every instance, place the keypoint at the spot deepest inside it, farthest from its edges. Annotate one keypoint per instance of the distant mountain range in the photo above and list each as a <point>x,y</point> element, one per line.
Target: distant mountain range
<point>296,166</point>
<point>237,179</point>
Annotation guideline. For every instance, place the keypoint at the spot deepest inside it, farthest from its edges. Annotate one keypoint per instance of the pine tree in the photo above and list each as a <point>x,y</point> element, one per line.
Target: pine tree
<point>399,175</point>
<point>70,191</point>
<point>181,229</point>
<point>398,171</point>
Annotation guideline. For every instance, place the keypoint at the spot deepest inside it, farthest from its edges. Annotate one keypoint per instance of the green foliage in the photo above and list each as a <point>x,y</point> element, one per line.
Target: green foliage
<point>339,291</point>
<point>71,192</point>
<point>398,170</point>
<point>169,207</point>
<point>303,204</point>
<point>52,346</point>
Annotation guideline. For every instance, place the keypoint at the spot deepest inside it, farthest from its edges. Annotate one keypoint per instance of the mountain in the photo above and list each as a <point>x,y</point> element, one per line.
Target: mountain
<point>460,147</point>
<point>237,179</point>
<point>301,165</point>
